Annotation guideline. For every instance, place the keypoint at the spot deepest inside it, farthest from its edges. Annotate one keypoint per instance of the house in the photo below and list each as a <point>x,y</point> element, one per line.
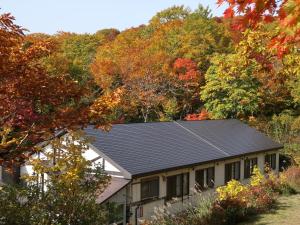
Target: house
<point>153,163</point>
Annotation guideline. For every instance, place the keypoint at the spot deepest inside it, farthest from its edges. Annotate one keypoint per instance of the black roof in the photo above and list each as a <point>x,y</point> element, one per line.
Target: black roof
<point>142,148</point>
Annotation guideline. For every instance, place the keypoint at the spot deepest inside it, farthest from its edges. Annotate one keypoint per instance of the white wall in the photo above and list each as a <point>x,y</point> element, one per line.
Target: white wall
<point>90,154</point>
<point>148,209</point>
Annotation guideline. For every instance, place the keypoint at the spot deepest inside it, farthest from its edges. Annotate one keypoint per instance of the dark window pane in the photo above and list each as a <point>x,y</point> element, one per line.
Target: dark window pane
<point>171,187</point>
<point>227,173</point>
<point>210,177</point>
<point>186,182</point>
<point>270,161</point>
<point>232,171</point>
<point>273,161</point>
<point>247,169</point>
<point>237,166</point>
<point>200,179</point>
<point>249,165</point>
<point>150,188</point>
<point>177,185</point>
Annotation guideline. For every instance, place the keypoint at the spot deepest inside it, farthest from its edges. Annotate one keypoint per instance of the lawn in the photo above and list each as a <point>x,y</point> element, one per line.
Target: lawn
<point>287,212</point>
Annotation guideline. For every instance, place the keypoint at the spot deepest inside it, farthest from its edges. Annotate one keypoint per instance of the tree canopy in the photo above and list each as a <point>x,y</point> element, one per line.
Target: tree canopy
<point>34,103</point>
<point>183,64</point>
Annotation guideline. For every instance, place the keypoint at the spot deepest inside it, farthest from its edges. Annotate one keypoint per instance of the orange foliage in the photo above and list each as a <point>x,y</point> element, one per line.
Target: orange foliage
<point>187,69</point>
<point>33,104</point>
<point>203,115</point>
<point>284,14</point>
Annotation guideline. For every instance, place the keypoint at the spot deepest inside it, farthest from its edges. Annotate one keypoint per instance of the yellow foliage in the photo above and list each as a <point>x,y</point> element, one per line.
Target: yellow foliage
<point>233,190</point>
<point>257,177</point>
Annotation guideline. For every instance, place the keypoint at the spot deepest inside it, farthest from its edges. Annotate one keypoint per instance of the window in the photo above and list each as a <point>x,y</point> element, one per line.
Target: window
<point>200,175</point>
<point>210,177</point>
<point>270,161</point>
<point>232,171</point>
<point>10,175</point>
<point>149,188</point>
<point>249,165</point>
<point>178,185</point>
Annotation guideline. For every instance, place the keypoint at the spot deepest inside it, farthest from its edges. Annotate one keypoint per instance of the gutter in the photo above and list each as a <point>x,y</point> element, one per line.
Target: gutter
<point>138,175</point>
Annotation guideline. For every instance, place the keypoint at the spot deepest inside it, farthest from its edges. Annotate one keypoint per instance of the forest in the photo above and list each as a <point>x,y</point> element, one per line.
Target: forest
<point>184,64</point>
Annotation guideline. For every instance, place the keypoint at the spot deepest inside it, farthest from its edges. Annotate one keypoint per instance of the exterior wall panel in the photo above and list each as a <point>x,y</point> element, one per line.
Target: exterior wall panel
<point>148,208</point>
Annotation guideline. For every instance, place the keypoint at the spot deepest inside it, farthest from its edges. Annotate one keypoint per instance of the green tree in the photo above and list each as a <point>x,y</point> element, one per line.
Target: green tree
<point>170,14</point>
<point>285,128</point>
<point>291,70</point>
<point>231,90</point>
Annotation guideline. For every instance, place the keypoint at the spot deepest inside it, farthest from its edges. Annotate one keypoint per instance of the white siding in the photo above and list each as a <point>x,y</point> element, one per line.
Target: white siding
<point>148,208</point>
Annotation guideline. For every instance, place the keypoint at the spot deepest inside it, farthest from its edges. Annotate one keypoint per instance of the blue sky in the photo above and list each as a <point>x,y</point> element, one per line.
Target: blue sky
<point>88,16</point>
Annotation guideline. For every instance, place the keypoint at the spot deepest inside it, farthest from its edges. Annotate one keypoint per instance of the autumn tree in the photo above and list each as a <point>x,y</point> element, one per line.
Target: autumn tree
<point>34,104</point>
<point>73,53</point>
<point>203,115</point>
<point>275,77</point>
<point>282,16</point>
<point>160,66</point>
<point>62,190</point>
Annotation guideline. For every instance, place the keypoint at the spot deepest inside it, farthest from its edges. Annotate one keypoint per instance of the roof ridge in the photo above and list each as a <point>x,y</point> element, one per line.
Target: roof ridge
<point>201,138</point>
<point>158,122</point>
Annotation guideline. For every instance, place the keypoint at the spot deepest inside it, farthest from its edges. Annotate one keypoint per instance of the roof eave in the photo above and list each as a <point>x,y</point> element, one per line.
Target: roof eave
<point>138,175</point>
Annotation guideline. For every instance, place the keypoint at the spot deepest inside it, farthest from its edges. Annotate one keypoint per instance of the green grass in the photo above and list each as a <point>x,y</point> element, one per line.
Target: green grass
<point>287,212</point>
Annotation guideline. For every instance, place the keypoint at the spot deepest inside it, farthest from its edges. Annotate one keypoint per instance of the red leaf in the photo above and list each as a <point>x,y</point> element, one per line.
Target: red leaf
<point>229,13</point>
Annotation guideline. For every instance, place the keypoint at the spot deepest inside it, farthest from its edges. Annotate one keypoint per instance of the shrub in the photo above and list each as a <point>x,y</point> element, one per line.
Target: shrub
<point>201,213</point>
<point>262,191</point>
<point>69,194</point>
<point>257,177</point>
<point>271,182</point>
<point>260,199</point>
<point>12,210</point>
<point>291,177</point>
<point>239,201</point>
<point>233,199</point>
<point>233,190</point>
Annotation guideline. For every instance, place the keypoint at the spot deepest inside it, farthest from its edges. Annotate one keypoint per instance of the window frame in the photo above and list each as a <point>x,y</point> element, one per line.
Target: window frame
<point>147,181</point>
<point>271,161</point>
<point>248,170</point>
<point>182,191</point>
<point>210,183</point>
<point>204,182</point>
<point>232,170</point>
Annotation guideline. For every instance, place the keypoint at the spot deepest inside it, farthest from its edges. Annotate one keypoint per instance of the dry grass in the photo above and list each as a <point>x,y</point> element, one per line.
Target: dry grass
<point>287,212</point>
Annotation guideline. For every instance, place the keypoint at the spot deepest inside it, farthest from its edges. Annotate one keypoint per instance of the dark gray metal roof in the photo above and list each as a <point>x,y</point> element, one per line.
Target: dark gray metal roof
<point>142,148</point>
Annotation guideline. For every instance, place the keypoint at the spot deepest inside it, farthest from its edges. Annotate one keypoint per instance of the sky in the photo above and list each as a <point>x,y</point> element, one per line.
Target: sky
<point>88,16</point>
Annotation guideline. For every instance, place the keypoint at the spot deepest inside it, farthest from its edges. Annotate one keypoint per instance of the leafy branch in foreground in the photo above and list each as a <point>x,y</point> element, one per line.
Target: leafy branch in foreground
<point>62,190</point>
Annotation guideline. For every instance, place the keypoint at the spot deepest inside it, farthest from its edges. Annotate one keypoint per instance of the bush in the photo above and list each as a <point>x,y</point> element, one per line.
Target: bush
<point>200,214</point>
<point>260,199</point>
<point>235,201</point>
<point>69,194</point>
<point>232,198</point>
<point>238,201</point>
<point>233,190</point>
<point>12,210</point>
<point>291,176</point>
